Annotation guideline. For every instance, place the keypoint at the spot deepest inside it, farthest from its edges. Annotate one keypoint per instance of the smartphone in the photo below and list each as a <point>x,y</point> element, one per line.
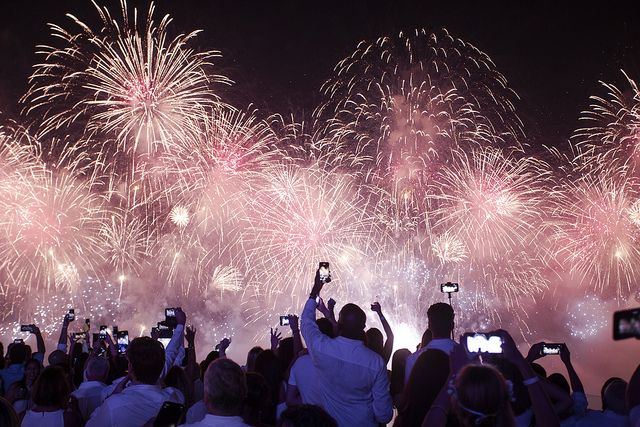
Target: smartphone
<point>447,288</point>
<point>284,320</point>
<point>550,349</point>
<point>626,324</point>
<point>170,317</point>
<point>27,328</point>
<point>72,314</point>
<point>325,273</point>
<point>170,415</point>
<point>18,341</point>
<point>477,342</point>
<point>123,341</point>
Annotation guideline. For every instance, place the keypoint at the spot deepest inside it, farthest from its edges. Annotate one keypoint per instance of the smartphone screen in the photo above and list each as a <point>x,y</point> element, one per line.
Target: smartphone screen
<point>324,271</point>
<point>482,343</point>
<point>626,324</point>
<point>170,415</point>
<point>551,349</point>
<point>123,341</point>
<point>449,287</point>
<point>165,341</point>
<point>72,314</point>
<point>284,320</point>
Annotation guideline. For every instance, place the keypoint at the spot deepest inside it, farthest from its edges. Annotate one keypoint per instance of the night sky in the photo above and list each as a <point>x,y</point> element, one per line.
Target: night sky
<point>280,52</point>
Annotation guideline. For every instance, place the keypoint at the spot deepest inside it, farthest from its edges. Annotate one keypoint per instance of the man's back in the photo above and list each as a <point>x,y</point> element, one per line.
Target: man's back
<point>305,377</point>
<point>134,406</point>
<point>352,379</point>
<point>89,396</point>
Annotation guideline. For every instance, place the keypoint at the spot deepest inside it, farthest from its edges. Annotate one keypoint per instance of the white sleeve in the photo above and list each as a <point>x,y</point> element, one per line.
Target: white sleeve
<point>292,376</point>
<point>172,350</point>
<point>101,417</point>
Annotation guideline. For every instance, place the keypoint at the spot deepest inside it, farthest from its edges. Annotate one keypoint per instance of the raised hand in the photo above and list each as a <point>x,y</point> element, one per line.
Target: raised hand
<point>331,304</point>
<point>375,307</point>
<point>294,323</point>
<point>275,338</point>
<point>223,345</point>
<point>535,352</point>
<point>190,335</point>
<point>565,354</point>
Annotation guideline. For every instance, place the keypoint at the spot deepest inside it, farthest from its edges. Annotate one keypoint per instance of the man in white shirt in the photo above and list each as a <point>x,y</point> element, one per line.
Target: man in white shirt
<point>141,399</point>
<point>225,389</point>
<point>441,322</point>
<point>352,379</point>
<point>302,385</point>
<point>89,394</point>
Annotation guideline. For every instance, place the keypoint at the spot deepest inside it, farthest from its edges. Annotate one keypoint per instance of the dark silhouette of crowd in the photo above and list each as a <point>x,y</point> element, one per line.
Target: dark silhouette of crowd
<point>339,379</point>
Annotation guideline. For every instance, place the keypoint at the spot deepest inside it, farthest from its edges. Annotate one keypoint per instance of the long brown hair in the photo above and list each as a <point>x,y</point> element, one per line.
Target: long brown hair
<point>481,398</point>
<point>51,388</point>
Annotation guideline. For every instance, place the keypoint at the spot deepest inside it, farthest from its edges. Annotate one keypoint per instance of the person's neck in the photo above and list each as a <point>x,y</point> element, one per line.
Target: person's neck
<point>442,337</point>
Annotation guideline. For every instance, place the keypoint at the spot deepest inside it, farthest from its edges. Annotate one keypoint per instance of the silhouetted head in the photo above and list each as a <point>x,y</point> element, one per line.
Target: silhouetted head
<point>325,326</point>
<point>427,336</point>
<point>352,321</point>
<point>427,378</point>
<point>559,380</point>
<point>213,355</point>
<point>398,364</point>
<point>58,358</point>
<point>481,397</point>
<point>604,386</point>
<point>146,359</point>
<point>51,388</point>
<point>440,317</point>
<point>17,353</point>
<point>285,352</point>
<point>257,395</point>
<point>251,358</point>
<point>225,388</point>
<point>614,397</point>
<point>97,369</point>
<point>375,340</point>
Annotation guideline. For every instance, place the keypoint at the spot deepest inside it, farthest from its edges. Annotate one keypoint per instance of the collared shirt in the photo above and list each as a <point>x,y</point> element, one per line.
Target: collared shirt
<point>43,419</point>
<point>218,421</point>
<point>606,418</point>
<point>442,344</point>
<point>196,413</point>
<point>352,379</point>
<point>89,396</point>
<point>303,376</point>
<point>134,406</point>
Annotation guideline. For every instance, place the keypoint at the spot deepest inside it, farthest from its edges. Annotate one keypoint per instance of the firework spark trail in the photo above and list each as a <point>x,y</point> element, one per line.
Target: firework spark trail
<point>303,215</point>
<point>599,238</point>
<point>401,103</point>
<point>128,80</point>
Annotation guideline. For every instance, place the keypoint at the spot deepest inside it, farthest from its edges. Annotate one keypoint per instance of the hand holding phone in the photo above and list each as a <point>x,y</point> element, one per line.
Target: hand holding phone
<point>479,342</point>
<point>325,273</point>
<point>28,328</point>
<point>284,320</point>
<point>551,349</point>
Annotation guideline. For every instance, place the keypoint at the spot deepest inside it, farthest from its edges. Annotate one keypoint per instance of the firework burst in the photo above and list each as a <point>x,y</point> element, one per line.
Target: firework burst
<point>127,81</point>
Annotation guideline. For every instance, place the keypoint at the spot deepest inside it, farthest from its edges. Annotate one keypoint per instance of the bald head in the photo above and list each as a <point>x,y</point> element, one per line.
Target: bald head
<point>614,397</point>
<point>352,321</point>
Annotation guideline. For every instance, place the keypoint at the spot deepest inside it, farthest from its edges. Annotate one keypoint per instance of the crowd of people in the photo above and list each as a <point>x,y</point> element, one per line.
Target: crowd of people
<point>339,379</point>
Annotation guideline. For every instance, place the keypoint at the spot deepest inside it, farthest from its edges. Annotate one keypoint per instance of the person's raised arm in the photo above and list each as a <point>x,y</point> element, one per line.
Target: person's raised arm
<point>542,408</point>
<point>173,348</point>
<point>328,314</point>
<point>310,331</point>
<point>41,349</point>
<point>294,324</point>
<point>192,369</point>
<point>388,345</point>
<point>574,379</point>
<point>62,341</point>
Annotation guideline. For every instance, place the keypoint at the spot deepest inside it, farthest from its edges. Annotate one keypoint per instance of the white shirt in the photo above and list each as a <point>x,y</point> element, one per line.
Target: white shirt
<point>352,379</point>
<point>174,350</point>
<point>196,413</point>
<point>134,406</point>
<point>442,344</point>
<point>218,421</point>
<point>89,396</point>
<point>601,419</point>
<point>303,376</point>
<point>43,419</point>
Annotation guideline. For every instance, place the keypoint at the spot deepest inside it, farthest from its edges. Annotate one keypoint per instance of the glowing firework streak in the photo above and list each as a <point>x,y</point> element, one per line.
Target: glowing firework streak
<point>401,103</point>
<point>179,216</point>
<point>127,80</point>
